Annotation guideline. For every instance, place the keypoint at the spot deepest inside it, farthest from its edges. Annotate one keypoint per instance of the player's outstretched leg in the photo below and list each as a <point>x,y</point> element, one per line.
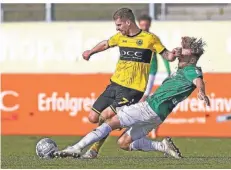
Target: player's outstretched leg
<point>70,151</point>
<point>93,151</point>
<point>135,140</point>
<point>94,136</point>
<point>171,148</point>
<point>144,144</point>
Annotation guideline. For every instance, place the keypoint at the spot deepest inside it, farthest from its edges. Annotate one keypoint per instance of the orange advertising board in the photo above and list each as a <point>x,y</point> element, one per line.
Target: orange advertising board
<point>58,104</point>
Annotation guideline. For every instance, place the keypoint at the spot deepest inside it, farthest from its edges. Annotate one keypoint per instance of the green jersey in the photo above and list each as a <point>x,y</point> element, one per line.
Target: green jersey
<point>173,90</point>
<point>154,65</point>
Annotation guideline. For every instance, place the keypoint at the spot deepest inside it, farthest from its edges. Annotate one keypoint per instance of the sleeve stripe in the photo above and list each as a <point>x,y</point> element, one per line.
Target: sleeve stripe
<point>113,109</point>
<point>162,50</point>
<point>95,110</point>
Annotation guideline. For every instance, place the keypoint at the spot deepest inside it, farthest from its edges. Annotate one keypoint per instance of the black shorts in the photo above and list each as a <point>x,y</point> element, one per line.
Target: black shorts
<point>116,96</point>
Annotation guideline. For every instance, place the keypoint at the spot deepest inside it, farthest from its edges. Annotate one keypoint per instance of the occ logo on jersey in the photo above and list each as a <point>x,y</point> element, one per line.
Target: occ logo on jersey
<point>131,53</point>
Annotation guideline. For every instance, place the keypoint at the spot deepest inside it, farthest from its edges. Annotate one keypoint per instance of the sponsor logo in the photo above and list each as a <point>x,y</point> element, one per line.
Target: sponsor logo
<point>139,42</point>
<point>218,104</point>
<point>131,53</point>
<point>67,103</point>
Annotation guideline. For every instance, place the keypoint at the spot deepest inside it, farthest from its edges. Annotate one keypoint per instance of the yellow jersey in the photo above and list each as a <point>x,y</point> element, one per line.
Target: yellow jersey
<point>132,69</point>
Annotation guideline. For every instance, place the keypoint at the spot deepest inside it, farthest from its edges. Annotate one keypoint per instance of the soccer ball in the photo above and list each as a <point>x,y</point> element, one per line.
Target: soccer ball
<point>45,148</point>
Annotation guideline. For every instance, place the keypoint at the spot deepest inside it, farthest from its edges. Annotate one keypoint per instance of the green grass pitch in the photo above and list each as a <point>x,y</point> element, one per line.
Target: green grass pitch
<point>19,152</point>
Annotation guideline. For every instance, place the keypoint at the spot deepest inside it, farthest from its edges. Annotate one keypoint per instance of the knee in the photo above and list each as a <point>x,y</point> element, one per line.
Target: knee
<point>124,144</point>
<point>93,117</point>
<point>107,114</point>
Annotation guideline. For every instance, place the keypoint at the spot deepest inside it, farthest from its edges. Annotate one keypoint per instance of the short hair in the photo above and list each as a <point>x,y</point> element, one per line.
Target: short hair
<point>124,13</point>
<point>145,17</point>
<point>196,45</point>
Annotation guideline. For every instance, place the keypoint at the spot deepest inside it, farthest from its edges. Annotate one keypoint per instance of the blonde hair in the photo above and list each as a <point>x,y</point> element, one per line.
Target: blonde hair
<point>124,13</point>
<point>196,45</point>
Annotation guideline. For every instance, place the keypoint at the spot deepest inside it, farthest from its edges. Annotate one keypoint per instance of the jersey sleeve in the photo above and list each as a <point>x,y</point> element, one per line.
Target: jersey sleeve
<point>167,66</point>
<point>193,73</point>
<point>157,45</point>
<point>113,41</point>
<point>154,65</point>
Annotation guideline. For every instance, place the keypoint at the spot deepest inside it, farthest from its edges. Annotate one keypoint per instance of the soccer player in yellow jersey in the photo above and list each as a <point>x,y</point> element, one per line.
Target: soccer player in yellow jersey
<point>130,78</point>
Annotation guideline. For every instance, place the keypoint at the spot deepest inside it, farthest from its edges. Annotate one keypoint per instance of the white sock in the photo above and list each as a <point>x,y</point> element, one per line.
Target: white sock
<point>145,144</point>
<point>94,136</point>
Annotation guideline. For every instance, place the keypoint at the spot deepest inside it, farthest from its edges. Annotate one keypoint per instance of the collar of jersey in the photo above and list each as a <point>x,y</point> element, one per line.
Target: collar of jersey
<point>135,34</point>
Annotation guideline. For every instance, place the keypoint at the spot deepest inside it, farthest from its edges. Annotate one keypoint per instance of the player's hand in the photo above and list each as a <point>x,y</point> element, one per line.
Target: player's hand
<point>86,55</point>
<point>202,96</point>
<point>143,98</point>
<point>177,51</point>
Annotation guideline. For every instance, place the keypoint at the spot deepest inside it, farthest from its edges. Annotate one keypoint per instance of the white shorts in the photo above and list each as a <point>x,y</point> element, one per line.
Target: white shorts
<point>139,118</point>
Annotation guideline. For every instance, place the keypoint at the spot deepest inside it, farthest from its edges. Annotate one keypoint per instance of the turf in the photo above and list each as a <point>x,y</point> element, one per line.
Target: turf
<point>19,152</point>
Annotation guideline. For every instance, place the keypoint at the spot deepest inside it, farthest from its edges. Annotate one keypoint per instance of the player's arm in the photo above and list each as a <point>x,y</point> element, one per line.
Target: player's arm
<point>201,90</point>
<point>151,78</point>
<point>98,48</point>
<point>167,66</point>
<point>149,86</point>
<point>171,55</point>
<point>102,46</point>
<point>160,48</point>
<point>196,77</point>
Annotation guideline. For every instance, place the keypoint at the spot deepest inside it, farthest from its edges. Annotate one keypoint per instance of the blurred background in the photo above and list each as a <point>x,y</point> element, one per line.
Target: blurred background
<point>38,31</point>
<point>93,12</point>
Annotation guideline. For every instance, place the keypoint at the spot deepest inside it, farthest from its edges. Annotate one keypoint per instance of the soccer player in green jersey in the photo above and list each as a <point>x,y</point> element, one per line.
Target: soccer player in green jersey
<point>145,24</point>
<point>141,118</point>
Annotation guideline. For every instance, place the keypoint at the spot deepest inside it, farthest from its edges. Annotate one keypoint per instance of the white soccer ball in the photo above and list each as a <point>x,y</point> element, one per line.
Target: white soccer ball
<point>45,148</point>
